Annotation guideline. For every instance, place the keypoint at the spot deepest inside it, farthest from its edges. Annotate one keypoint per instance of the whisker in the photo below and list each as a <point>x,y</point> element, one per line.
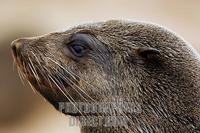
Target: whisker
<point>33,69</point>
<point>20,76</point>
<point>62,67</point>
<point>42,68</point>
<point>75,90</point>
<point>34,90</point>
<point>36,58</point>
<point>64,93</point>
<point>34,74</point>
<point>72,76</point>
<point>68,79</point>
<point>71,73</point>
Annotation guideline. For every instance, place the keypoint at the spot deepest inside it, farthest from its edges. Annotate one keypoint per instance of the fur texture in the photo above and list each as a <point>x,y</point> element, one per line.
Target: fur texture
<point>164,87</point>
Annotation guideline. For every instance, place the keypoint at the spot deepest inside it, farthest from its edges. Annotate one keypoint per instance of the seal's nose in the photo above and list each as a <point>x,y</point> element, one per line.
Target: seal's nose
<point>14,49</point>
<point>16,46</point>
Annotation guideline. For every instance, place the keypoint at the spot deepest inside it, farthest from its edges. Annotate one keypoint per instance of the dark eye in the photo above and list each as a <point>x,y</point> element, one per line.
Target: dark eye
<point>78,50</point>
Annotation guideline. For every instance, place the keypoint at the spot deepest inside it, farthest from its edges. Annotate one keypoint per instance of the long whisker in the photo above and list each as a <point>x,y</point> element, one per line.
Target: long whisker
<point>32,87</point>
<point>36,58</point>
<point>34,74</point>
<point>68,79</point>
<point>71,74</point>
<point>72,86</point>
<point>42,68</point>
<point>64,93</point>
<point>20,75</point>
<point>33,69</point>
<point>76,90</point>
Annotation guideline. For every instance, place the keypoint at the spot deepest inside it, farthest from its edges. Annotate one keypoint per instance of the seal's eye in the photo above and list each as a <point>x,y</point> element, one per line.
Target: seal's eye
<point>78,50</point>
<point>79,45</point>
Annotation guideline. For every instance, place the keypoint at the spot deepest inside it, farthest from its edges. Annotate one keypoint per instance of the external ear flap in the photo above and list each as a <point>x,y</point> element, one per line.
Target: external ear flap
<point>147,52</point>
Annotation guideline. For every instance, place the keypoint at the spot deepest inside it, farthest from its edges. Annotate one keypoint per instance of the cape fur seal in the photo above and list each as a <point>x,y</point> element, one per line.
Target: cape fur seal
<point>139,65</point>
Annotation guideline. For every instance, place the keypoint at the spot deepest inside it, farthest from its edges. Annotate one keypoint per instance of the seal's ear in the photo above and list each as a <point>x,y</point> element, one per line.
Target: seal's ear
<point>147,52</point>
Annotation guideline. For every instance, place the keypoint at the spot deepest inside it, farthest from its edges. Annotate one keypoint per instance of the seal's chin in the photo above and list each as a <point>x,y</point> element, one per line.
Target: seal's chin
<point>51,94</point>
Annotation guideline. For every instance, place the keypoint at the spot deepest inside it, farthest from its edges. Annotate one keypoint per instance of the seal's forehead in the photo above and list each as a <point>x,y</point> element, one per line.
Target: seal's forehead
<point>127,33</point>
<point>110,27</point>
<point>117,27</point>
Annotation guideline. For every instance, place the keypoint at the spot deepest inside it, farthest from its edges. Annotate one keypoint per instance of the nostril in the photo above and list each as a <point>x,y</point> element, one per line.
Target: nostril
<point>14,49</point>
<point>17,46</point>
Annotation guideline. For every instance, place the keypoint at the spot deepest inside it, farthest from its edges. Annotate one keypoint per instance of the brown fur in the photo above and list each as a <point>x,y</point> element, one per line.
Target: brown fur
<point>165,87</point>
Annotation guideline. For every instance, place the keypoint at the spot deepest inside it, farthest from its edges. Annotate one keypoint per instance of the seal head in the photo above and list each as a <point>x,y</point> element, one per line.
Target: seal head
<point>141,63</point>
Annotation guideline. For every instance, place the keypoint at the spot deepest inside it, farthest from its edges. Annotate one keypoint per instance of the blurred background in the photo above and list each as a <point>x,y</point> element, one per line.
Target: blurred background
<point>22,110</point>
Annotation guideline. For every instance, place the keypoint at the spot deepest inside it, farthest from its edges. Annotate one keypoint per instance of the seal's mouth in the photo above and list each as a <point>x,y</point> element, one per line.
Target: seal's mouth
<point>51,88</point>
<point>31,73</point>
<point>47,85</point>
<point>29,70</point>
